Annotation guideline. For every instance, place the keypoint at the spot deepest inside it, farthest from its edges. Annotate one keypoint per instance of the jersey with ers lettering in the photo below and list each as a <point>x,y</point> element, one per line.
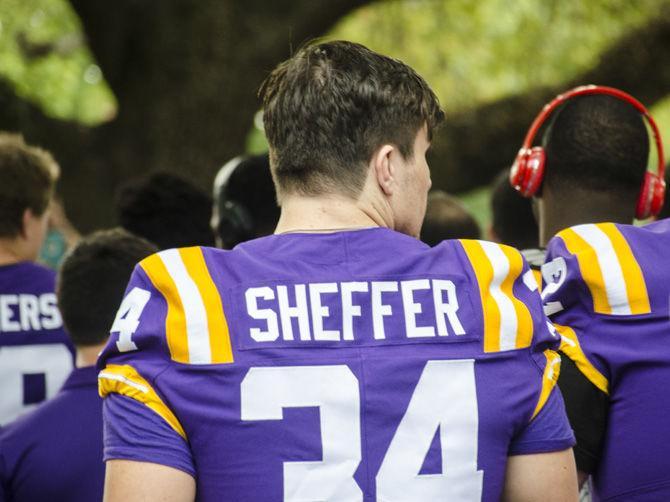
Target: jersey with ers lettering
<point>358,365</point>
<point>36,355</point>
<point>607,290</point>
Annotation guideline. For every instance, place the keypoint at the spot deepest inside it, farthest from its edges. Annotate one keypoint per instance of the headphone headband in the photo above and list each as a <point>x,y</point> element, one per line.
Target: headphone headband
<point>586,90</point>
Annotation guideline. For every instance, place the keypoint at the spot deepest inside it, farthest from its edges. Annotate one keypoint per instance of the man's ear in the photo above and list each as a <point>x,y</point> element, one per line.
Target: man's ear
<point>384,169</point>
<point>26,221</point>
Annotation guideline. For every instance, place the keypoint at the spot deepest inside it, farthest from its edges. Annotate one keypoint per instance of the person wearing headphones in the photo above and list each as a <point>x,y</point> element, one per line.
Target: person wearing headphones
<point>606,283</point>
<point>245,205</point>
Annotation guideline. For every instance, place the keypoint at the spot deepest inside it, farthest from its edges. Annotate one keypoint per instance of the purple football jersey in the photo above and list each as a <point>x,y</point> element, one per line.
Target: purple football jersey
<point>36,355</point>
<point>606,290</point>
<point>55,451</point>
<point>360,365</point>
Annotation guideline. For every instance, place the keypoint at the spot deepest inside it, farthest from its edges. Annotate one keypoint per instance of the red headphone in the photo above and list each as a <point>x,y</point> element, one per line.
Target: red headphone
<point>528,168</point>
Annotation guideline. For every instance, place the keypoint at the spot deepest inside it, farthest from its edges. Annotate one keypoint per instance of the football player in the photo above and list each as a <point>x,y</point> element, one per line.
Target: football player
<point>55,452</point>
<point>35,354</point>
<point>340,359</point>
<point>606,283</point>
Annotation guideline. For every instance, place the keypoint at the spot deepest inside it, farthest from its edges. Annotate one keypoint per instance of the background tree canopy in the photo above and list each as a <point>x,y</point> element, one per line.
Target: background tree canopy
<point>117,89</point>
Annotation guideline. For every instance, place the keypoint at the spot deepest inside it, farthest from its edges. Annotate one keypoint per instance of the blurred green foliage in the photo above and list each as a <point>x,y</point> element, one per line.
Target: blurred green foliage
<point>479,51</point>
<point>44,55</point>
<point>471,52</point>
<point>478,202</point>
<point>661,113</point>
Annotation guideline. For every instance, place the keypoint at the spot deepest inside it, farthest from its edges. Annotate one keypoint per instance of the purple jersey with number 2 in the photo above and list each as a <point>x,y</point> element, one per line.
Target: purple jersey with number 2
<point>607,288</point>
<point>358,365</point>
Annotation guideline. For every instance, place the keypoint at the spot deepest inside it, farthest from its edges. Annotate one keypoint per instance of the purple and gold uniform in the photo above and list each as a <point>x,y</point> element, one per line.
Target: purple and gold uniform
<point>36,355</point>
<point>606,290</point>
<point>359,365</point>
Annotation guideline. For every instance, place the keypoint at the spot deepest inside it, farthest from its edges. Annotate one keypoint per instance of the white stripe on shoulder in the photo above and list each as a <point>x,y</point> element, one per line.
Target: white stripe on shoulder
<point>120,378</point>
<point>615,284</point>
<point>501,269</point>
<point>530,281</point>
<point>197,330</point>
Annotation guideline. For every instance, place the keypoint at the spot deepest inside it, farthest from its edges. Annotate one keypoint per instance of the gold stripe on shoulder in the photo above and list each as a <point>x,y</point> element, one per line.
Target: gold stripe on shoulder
<point>126,381</point>
<point>636,288</point>
<point>538,278</point>
<point>524,335</point>
<point>219,336</point>
<point>484,275</point>
<point>589,266</point>
<point>175,322</point>
<point>508,324</point>
<point>570,347</point>
<point>549,379</point>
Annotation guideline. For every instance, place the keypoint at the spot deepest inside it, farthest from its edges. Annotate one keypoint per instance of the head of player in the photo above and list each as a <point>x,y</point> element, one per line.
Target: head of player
<point>245,205</point>
<point>28,177</point>
<point>597,148</point>
<point>447,218</point>
<point>348,131</point>
<point>165,209</point>
<point>90,287</point>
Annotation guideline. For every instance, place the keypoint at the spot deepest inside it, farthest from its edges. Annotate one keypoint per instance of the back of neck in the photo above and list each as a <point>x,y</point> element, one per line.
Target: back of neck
<point>88,355</point>
<point>558,212</point>
<point>11,252</point>
<point>326,213</point>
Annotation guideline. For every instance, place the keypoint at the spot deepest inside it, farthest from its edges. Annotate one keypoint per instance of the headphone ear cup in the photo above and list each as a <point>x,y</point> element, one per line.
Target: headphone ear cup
<point>528,170</point>
<point>518,169</point>
<point>652,195</point>
<point>659,196</point>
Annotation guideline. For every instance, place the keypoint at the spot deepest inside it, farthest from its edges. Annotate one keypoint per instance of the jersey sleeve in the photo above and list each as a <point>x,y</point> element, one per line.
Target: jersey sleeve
<point>514,319</point>
<point>132,431</point>
<point>548,431</point>
<point>141,347</point>
<point>171,315</point>
<point>549,428</point>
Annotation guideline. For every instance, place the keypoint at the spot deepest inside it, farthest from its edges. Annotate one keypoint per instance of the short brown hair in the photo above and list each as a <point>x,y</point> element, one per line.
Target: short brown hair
<point>27,178</point>
<point>330,106</point>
